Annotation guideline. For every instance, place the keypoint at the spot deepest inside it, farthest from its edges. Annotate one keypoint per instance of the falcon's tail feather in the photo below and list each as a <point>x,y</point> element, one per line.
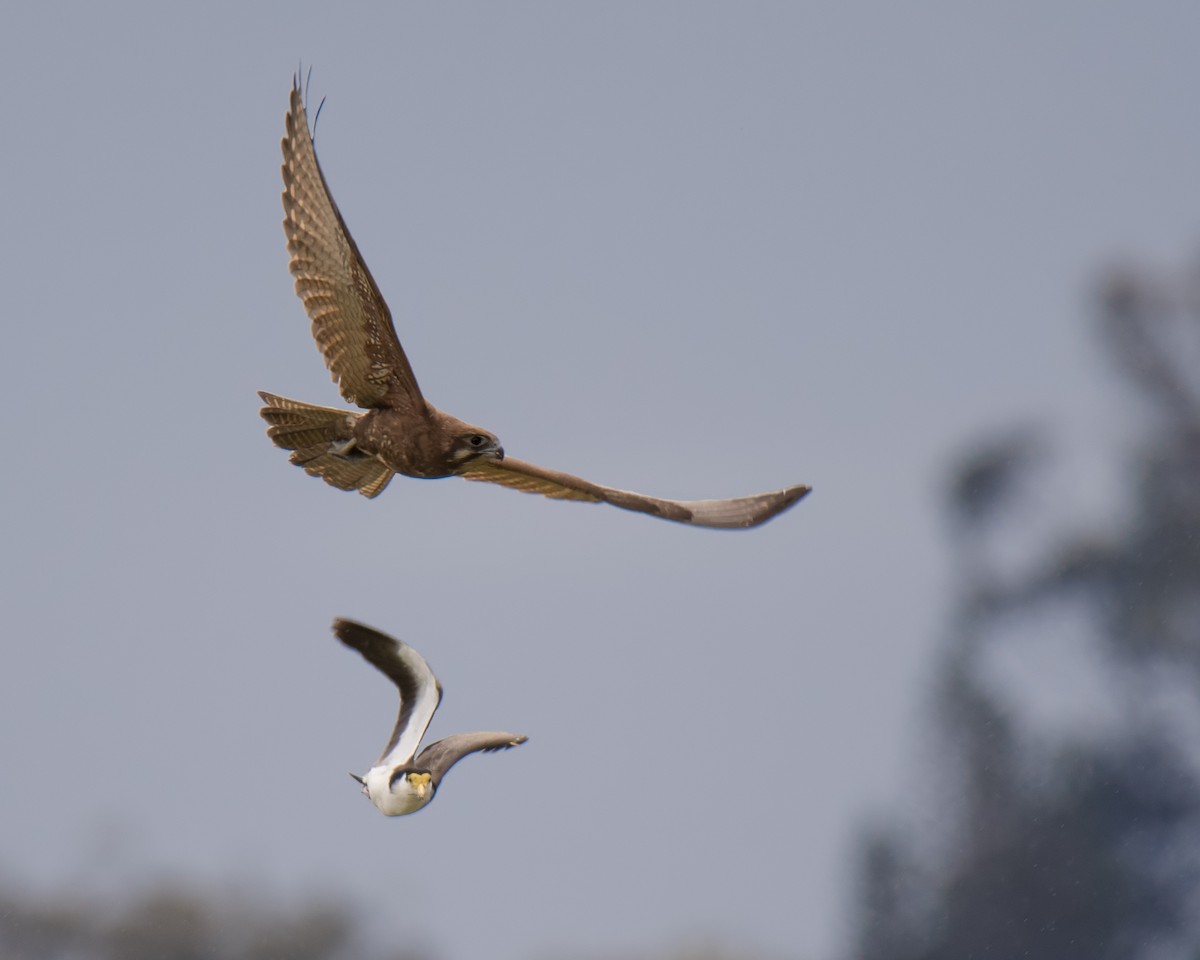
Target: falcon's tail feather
<point>321,439</point>
<point>295,424</point>
<point>354,472</point>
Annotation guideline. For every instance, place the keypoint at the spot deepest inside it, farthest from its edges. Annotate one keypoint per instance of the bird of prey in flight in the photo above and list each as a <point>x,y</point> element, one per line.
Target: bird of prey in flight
<point>401,781</point>
<point>401,432</point>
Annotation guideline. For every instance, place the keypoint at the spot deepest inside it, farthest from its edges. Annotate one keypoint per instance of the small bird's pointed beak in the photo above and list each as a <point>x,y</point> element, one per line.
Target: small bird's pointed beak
<point>359,779</point>
<point>421,784</point>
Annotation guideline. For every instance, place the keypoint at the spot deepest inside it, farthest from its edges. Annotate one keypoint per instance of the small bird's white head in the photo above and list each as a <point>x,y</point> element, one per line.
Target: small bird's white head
<point>396,791</point>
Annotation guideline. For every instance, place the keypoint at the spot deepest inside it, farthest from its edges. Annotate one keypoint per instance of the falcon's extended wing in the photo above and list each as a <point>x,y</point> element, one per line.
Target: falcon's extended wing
<point>732,513</point>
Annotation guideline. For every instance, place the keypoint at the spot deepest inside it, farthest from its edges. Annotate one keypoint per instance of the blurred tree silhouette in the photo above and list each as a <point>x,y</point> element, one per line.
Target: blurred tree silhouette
<point>1083,843</point>
<point>176,924</point>
<point>182,924</point>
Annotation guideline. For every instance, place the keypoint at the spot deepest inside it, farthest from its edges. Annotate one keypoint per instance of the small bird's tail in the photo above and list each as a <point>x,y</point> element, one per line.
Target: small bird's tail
<point>322,441</point>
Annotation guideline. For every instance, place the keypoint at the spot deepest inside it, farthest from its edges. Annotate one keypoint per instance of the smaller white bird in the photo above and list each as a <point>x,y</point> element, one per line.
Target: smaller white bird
<point>398,783</point>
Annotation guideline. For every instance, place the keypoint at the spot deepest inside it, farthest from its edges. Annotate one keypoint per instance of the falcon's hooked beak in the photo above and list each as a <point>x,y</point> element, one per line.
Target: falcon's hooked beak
<point>475,447</point>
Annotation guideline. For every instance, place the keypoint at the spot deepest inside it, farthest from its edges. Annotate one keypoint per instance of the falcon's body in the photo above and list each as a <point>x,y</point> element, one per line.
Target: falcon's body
<point>402,432</point>
<point>402,782</point>
<point>430,446</point>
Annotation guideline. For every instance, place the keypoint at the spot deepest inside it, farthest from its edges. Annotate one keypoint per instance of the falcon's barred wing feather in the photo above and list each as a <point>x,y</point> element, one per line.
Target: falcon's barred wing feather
<point>420,692</point>
<point>732,513</point>
<point>441,755</point>
<point>350,321</point>
<point>528,478</point>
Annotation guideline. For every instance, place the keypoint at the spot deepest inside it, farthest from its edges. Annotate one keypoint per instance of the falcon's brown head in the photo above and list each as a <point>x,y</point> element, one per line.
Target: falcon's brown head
<point>474,444</point>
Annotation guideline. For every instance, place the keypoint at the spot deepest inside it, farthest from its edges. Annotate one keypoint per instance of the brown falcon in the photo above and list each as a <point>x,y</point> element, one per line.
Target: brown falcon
<point>401,432</point>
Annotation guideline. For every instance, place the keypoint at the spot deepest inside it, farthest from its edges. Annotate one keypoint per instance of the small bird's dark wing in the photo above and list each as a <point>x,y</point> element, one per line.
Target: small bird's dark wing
<point>420,692</point>
<point>730,513</point>
<point>441,755</point>
<point>350,321</point>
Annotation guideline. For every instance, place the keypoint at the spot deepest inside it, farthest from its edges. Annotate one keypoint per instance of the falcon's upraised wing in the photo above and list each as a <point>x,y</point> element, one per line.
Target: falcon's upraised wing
<point>350,320</point>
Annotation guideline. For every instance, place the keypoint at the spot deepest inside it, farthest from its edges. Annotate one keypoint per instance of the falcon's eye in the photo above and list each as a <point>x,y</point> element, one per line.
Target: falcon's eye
<point>478,441</point>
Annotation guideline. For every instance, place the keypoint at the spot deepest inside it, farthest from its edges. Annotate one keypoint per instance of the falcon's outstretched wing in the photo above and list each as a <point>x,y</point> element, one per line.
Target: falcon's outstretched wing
<point>350,321</point>
<point>732,513</point>
<point>420,692</point>
<point>440,756</point>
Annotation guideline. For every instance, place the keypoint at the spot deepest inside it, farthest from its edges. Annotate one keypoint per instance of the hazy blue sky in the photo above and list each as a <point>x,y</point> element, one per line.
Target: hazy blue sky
<point>692,249</point>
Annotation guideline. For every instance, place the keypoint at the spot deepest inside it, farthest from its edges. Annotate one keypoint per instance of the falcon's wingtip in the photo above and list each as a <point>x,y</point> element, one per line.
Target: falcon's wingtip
<point>777,503</point>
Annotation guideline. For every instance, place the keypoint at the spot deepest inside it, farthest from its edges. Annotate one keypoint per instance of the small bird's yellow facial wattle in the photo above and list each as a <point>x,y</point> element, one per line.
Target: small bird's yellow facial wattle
<point>419,782</point>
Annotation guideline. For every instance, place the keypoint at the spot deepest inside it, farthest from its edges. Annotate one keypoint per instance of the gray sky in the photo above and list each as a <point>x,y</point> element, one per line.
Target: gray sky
<point>691,249</point>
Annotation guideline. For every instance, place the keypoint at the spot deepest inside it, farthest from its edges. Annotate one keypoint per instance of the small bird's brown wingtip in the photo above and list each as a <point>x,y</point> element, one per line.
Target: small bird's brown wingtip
<point>341,625</point>
<point>358,636</point>
<point>347,630</point>
<point>514,742</point>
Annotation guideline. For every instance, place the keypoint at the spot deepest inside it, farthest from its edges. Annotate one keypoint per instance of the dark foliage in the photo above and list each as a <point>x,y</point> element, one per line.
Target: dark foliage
<point>1070,845</point>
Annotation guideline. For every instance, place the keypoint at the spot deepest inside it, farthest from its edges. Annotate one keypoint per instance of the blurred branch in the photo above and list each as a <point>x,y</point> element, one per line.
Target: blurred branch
<point>1140,316</point>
